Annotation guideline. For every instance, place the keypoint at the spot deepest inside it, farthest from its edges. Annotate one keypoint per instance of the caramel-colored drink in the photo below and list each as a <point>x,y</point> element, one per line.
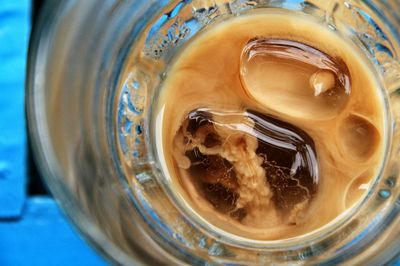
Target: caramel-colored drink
<point>272,125</point>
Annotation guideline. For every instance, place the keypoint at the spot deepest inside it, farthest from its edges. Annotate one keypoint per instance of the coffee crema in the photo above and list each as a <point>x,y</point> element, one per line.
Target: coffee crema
<point>272,125</point>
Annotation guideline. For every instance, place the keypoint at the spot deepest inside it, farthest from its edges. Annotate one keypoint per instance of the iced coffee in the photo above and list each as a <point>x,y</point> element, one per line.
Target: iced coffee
<point>272,125</point>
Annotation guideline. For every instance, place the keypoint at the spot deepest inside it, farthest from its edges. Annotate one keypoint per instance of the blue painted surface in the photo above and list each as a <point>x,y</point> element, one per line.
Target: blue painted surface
<point>43,237</point>
<point>33,231</point>
<point>14,32</point>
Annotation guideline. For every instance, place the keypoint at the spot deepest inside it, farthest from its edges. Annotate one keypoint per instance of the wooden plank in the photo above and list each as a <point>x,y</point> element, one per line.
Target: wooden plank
<point>14,31</point>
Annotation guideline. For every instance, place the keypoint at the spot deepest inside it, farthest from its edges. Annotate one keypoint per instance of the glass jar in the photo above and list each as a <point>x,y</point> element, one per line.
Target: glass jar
<point>89,103</point>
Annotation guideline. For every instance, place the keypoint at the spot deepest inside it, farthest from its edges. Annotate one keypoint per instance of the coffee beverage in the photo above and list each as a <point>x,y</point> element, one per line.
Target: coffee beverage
<point>272,125</point>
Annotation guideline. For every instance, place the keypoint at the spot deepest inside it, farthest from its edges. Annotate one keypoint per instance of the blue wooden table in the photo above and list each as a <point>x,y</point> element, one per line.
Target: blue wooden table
<point>33,231</point>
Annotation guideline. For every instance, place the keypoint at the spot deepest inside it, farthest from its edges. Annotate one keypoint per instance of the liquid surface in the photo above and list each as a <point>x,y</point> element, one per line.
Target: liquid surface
<point>269,133</point>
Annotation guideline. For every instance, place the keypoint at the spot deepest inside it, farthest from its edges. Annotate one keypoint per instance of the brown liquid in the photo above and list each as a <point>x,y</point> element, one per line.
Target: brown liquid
<point>267,132</point>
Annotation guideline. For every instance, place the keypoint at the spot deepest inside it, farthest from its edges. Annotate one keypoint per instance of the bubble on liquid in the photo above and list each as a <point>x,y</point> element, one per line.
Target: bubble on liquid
<point>237,159</point>
<point>384,193</point>
<point>215,250</point>
<point>357,188</point>
<point>390,182</point>
<point>203,242</point>
<point>294,78</point>
<point>359,137</point>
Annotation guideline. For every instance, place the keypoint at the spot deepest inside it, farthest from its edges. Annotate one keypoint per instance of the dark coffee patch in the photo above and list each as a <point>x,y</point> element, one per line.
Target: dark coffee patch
<point>211,168</point>
<point>212,140</point>
<point>222,198</point>
<point>290,160</point>
<point>239,214</point>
